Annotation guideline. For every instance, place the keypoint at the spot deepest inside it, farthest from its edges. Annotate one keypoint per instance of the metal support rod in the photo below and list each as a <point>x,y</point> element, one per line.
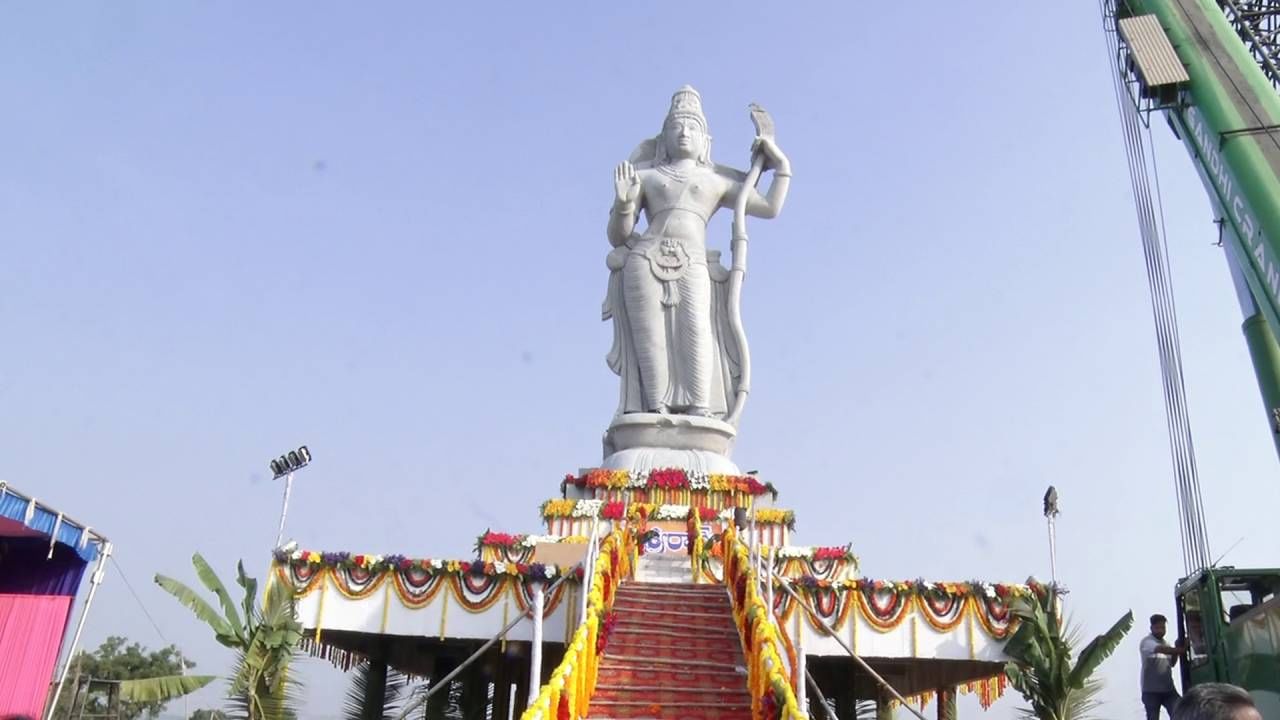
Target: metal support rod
<point>535,651</point>
<point>589,565</point>
<point>769,591</point>
<point>95,581</point>
<point>284,509</point>
<point>802,669</point>
<point>861,663</point>
<point>511,703</point>
<point>817,692</point>
<point>444,682</point>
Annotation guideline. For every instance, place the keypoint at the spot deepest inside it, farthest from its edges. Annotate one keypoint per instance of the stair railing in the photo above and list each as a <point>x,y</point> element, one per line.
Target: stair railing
<point>828,630</point>
<point>770,688</point>
<point>573,682</point>
<point>534,611</point>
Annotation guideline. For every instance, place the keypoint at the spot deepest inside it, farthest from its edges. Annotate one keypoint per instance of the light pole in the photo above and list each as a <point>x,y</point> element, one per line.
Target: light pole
<point>284,467</point>
<point>1050,514</point>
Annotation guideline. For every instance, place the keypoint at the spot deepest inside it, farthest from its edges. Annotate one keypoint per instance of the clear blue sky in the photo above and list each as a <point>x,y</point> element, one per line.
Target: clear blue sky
<point>229,230</point>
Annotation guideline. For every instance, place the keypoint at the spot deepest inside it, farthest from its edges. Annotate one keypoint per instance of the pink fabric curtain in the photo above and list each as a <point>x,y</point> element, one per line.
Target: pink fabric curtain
<point>31,628</point>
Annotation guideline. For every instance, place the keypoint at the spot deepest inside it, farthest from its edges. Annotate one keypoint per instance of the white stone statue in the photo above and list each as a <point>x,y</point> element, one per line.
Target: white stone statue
<point>678,344</point>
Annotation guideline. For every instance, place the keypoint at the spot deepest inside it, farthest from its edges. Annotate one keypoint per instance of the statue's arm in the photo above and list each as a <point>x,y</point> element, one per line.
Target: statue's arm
<point>626,204</point>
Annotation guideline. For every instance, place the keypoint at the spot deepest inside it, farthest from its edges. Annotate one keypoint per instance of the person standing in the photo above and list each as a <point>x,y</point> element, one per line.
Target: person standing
<point>1158,659</point>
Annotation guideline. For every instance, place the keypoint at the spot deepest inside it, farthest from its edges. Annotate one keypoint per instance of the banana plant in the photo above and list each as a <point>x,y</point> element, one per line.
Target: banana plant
<point>1043,666</point>
<point>265,638</point>
<point>163,688</point>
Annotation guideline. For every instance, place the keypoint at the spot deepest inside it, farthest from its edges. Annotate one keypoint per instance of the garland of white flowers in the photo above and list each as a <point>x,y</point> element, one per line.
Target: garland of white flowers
<point>529,541</point>
<point>671,512</point>
<point>794,551</point>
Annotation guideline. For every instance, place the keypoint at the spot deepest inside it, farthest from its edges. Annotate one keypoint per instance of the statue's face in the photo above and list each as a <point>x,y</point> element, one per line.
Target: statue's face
<point>685,138</point>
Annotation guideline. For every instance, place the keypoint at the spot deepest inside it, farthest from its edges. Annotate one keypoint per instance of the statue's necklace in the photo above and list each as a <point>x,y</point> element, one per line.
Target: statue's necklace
<point>674,173</point>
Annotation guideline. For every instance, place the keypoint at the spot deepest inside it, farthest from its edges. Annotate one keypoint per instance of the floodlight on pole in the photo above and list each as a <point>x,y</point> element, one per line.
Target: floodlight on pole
<point>284,467</point>
<point>1050,514</point>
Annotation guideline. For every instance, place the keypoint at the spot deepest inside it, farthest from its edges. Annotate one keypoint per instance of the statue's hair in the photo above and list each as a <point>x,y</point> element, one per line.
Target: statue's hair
<point>1212,701</point>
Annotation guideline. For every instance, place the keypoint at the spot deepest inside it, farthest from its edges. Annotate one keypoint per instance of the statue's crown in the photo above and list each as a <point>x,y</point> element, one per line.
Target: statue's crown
<point>686,102</point>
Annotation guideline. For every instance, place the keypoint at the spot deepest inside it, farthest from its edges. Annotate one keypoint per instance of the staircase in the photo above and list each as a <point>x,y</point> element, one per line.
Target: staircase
<point>674,653</point>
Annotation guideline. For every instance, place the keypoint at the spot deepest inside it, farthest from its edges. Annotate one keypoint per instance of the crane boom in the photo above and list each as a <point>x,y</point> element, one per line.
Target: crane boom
<point>1211,67</point>
<point>1227,114</point>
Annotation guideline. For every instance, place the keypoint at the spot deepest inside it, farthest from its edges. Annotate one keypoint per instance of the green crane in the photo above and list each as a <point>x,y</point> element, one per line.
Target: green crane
<point>1210,67</point>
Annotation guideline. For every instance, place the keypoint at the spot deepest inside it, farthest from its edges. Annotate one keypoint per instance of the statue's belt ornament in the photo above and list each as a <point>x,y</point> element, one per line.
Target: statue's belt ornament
<point>668,261</point>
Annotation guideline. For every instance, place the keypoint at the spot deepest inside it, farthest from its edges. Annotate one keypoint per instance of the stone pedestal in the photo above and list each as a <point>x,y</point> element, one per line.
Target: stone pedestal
<point>648,441</point>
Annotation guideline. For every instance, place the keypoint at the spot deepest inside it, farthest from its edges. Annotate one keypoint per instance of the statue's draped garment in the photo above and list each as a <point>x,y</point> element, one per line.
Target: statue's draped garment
<point>672,342</point>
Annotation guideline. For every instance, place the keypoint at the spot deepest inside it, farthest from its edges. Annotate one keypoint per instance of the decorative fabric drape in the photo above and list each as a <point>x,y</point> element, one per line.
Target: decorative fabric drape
<point>31,628</point>
<point>27,569</point>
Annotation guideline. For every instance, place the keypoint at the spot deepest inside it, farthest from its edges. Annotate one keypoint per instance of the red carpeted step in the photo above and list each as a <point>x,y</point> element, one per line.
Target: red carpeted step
<point>687,590</point>
<point>678,600</point>
<point>672,638</point>
<point>666,675</point>
<point>723,655</point>
<point>635,710</point>
<point>666,694</point>
<point>675,654</point>
<point>698,624</point>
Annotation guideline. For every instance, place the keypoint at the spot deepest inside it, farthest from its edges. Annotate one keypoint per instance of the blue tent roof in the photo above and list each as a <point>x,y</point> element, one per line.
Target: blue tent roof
<point>40,518</point>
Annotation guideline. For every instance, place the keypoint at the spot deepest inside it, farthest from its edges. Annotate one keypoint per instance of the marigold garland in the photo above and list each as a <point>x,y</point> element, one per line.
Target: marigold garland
<point>586,509</point>
<point>886,605</point>
<point>669,479</point>
<point>771,693</point>
<point>476,586</point>
<point>774,516</point>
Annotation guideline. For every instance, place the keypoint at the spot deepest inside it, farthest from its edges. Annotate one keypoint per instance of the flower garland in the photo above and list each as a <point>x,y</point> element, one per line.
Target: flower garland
<point>504,547</point>
<point>696,547</point>
<point>305,562</point>
<point>669,479</point>
<point>614,510</point>
<point>886,605</point>
<point>790,552</point>
<point>417,586</point>
<point>607,626</point>
<point>771,693</point>
<point>774,516</point>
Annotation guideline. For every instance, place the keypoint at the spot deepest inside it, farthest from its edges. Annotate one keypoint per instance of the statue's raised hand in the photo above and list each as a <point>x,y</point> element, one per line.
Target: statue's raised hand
<point>626,184</point>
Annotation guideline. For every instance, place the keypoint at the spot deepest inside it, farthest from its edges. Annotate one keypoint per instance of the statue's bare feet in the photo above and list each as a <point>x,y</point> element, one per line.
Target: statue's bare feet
<point>700,412</point>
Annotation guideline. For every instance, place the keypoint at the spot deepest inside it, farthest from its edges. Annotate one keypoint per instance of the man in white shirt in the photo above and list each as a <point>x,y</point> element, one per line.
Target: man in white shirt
<point>1158,660</point>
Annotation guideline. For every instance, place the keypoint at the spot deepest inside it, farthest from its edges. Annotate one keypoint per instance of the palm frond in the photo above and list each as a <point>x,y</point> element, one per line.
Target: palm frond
<point>200,607</point>
<point>1083,702</point>
<point>1099,649</point>
<point>1041,665</point>
<point>250,586</point>
<point>163,688</point>
<point>214,584</point>
<point>393,693</point>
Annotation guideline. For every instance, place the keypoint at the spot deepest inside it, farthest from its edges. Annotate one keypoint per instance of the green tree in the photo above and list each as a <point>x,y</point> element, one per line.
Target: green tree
<point>118,659</point>
<point>265,639</point>
<point>206,714</point>
<point>1043,666</point>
